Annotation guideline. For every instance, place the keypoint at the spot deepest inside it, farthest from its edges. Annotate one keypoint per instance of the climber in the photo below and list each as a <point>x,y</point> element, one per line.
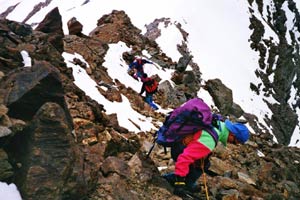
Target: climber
<point>191,156</point>
<point>150,87</point>
<point>138,67</point>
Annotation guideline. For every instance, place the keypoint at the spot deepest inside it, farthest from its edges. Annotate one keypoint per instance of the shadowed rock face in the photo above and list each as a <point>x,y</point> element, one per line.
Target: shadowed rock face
<point>50,157</point>
<point>223,98</point>
<point>11,36</point>
<point>27,89</point>
<point>58,143</point>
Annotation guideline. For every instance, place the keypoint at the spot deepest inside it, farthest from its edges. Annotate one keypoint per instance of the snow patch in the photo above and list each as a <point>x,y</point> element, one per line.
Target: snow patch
<point>26,58</point>
<point>9,191</point>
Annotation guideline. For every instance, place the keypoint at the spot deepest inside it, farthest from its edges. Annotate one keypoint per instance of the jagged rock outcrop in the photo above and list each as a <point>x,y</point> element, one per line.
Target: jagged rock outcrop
<point>49,158</point>
<point>117,26</point>
<point>24,91</point>
<point>12,36</point>
<point>8,10</point>
<point>168,96</point>
<point>52,25</point>
<point>74,26</point>
<point>36,9</point>
<point>93,51</point>
<point>222,97</point>
<point>27,89</point>
<point>281,53</point>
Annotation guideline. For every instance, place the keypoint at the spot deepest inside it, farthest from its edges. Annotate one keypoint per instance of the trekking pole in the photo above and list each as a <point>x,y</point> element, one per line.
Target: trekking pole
<point>150,150</point>
<point>204,178</point>
<point>155,65</point>
<point>148,154</point>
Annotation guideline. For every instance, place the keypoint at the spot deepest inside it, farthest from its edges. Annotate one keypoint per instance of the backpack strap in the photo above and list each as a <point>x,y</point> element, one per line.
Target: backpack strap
<point>215,124</point>
<point>213,134</point>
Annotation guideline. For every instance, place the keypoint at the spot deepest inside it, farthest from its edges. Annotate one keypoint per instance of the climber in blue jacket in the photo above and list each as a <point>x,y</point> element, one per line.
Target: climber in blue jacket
<point>138,66</point>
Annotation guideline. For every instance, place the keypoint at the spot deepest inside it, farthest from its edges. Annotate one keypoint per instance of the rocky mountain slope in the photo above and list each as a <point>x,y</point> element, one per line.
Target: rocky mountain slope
<point>278,64</point>
<point>58,143</point>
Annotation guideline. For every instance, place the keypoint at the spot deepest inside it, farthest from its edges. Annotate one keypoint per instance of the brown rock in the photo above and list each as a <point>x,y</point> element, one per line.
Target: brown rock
<point>117,27</point>
<point>222,97</point>
<point>111,94</point>
<point>50,158</point>
<point>28,88</point>
<point>115,165</point>
<point>4,131</point>
<point>219,166</point>
<point>265,172</point>
<point>227,183</point>
<point>1,75</point>
<point>6,170</point>
<point>3,110</point>
<point>74,26</point>
<point>52,24</point>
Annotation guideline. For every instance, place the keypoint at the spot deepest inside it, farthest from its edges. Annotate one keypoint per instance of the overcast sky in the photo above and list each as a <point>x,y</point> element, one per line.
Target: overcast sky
<point>218,39</point>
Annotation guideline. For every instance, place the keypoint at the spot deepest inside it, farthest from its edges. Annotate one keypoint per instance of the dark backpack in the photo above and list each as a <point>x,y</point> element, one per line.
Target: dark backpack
<point>192,116</point>
<point>151,86</point>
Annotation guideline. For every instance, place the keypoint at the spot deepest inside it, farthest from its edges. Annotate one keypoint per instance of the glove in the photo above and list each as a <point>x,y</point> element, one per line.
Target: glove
<point>130,72</point>
<point>179,186</point>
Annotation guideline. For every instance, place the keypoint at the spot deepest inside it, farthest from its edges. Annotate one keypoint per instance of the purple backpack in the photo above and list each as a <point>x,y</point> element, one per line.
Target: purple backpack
<point>192,116</point>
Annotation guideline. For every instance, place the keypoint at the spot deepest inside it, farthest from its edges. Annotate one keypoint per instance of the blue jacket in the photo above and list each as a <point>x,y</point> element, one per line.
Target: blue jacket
<point>138,64</point>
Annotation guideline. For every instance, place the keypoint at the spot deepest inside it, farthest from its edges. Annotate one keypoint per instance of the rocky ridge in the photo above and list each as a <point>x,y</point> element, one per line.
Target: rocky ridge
<point>57,143</point>
<point>279,62</point>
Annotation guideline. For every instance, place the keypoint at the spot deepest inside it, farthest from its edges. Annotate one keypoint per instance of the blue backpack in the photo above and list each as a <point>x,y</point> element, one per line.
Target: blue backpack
<point>192,116</point>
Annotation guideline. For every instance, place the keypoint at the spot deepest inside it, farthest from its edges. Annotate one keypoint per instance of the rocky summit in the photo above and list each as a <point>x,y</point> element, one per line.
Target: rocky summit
<point>58,143</point>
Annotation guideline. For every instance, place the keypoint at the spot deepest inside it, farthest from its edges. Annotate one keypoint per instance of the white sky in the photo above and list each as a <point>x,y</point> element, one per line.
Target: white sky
<point>218,39</point>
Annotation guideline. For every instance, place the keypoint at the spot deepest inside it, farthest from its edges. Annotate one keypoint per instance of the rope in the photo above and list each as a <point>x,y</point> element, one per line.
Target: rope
<point>204,178</point>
